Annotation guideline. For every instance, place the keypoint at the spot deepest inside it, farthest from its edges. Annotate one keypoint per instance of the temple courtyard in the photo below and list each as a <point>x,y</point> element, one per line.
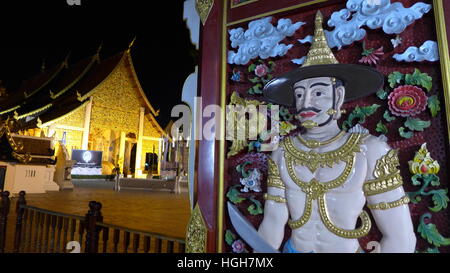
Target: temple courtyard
<point>160,212</point>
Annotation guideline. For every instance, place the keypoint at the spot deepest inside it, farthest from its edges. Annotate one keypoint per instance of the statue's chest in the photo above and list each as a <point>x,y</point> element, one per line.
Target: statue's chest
<point>316,173</point>
<point>341,177</point>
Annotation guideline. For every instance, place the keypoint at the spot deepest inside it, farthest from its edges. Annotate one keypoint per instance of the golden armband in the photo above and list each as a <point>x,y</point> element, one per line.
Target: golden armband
<point>387,176</point>
<point>275,198</point>
<point>383,206</point>
<point>273,177</point>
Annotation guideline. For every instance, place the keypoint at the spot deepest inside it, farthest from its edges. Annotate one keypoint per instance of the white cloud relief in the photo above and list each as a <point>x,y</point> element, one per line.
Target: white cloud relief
<point>260,39</point>
<point>429,51</point>
<point>392,18</point>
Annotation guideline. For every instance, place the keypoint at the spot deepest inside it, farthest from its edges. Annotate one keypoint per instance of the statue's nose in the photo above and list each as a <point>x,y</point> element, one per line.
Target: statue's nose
<point>307,99</point>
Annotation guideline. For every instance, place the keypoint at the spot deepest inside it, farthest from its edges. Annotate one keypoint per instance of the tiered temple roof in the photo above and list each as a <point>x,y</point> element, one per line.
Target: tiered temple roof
<point>61,89</point>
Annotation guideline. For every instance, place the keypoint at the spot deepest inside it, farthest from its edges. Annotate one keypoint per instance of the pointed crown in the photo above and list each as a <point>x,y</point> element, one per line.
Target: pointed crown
<point>320,52</point>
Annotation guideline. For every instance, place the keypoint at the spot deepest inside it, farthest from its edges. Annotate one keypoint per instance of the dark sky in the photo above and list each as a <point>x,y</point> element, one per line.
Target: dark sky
<point>31,31</point>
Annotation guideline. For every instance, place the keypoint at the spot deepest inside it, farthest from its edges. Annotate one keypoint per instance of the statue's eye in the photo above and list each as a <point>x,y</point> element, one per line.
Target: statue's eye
<point>299,95</point>
<point>318,94</point>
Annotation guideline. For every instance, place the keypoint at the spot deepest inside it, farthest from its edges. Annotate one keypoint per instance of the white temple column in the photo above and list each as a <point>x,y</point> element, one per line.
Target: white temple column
<point>138,167</point>
<point>87,125</point>
<point>122,150</point>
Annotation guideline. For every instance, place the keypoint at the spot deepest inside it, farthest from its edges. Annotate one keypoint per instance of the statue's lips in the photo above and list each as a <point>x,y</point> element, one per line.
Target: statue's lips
<point>308,114</point>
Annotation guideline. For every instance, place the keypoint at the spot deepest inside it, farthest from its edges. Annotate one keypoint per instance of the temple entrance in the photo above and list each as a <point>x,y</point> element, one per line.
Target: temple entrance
<point>2,177</point>
<point>133,158</point>
<point>151,163</point>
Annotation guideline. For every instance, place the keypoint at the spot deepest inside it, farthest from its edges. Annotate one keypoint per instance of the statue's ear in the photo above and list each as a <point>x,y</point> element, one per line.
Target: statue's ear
<point>340,96</point>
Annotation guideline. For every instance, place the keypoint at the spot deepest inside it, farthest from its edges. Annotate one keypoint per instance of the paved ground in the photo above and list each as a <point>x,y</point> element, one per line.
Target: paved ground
<point>159,212</point>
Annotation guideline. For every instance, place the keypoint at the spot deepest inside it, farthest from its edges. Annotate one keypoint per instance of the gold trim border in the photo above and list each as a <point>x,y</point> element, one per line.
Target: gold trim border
<point>223,91</point>
<point>441,33</point>
<point>241,4</point>
<point>275,12</point>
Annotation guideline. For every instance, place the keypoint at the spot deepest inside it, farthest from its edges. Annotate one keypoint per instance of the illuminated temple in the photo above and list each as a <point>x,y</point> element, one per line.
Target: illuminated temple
<point>94,104</point>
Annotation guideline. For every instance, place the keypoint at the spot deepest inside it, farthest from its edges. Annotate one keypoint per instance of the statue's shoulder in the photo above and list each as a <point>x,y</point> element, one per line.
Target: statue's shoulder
<point>277,154</point>
<point>375,146</point>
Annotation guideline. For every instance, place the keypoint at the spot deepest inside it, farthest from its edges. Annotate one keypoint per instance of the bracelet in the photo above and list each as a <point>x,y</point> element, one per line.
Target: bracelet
<point>277,199</point>
<point>384,206</point>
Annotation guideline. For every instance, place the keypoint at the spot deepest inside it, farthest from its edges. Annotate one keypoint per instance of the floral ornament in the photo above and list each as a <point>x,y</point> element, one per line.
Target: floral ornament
<point>238,246</point>
<point>286,127</point>
<point>252,182</point>
<point>425,170</point>
<point>236,76</point>
<point>371,56</point>
<point>263,76</point>
<point>423,163</point>
<point>407,100</point>
<point>397,41</point>
<point>285,114</point>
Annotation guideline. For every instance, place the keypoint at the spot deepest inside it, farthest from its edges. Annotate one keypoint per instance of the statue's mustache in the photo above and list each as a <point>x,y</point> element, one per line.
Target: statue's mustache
<point>308,109</point>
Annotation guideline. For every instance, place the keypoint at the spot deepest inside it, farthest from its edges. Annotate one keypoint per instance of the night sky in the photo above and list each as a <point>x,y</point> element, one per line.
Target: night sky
<point>162,53</point>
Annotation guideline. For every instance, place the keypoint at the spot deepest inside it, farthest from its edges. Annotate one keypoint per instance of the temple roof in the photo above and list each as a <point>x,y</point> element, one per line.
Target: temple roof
<point>64,88</point>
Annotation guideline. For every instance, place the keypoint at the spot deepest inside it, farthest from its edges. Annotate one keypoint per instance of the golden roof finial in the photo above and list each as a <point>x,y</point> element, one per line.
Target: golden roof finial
<point>131,44</point>
<point>320,52</point>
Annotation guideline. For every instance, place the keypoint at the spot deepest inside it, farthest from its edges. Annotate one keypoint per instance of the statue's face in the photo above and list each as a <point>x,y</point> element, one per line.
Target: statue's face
<point>314,97</point>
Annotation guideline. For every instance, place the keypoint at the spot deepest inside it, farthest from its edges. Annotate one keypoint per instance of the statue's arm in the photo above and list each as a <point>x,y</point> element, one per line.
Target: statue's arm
<point>386,198</point>
<point>275,208</point>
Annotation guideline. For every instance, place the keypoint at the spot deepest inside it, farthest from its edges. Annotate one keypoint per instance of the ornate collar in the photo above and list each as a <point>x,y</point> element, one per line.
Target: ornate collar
<point>313,160</point>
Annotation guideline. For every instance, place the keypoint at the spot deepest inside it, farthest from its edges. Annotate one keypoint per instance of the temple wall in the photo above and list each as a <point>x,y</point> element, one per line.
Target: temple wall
<point>116,102</point>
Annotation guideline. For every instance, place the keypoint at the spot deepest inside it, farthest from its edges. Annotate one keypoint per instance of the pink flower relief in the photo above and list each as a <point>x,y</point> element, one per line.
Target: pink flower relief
<point>261,70</point>
<point>407,101</point>
<point>371,56</point>
<point>238,246</point>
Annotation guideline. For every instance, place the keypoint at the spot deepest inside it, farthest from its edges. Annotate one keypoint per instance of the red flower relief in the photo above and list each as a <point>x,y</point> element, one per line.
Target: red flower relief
<point>407,101</point>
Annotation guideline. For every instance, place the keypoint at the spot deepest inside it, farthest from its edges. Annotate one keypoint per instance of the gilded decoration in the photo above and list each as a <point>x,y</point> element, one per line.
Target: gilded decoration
<point>197,233</point>
<point>116,102</point>
<point>203,8</point>
<point>315,190</point>
<point>149,129</point>
<point>387,176</point>
<point>75,118</point>
<point>73,138</point>
<point>274,179</point>
<point>238,126</point>
<point>384,206</point>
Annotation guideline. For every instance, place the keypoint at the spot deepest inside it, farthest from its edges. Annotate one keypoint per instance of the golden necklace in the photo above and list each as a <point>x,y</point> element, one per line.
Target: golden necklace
<point>315,143</point>
<point>316,190</point>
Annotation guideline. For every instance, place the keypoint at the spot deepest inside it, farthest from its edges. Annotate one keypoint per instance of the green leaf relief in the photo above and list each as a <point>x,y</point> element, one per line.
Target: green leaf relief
<point>255,208</point>
<point>420,79</point>
<point>382,94</point>
<point>381,128</point>
<point>395,78</point>
<point>233,195</point>
<point>415,124</point>
<point>388,117</point>
<point>404,134</point>
<point>251,68</point>
<point>440,200</point>
<point>430,233</point>
<point>360,114</point>
<point>434,105</point>
<point>229,237</point>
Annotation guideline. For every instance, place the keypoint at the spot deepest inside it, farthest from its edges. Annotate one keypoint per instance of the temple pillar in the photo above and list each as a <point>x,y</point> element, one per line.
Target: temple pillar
<point>87,125</point>
<point>138,167</point>
<point>121,151</point>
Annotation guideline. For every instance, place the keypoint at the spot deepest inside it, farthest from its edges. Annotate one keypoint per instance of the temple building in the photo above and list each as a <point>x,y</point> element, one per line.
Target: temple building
<point>94,104</point>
